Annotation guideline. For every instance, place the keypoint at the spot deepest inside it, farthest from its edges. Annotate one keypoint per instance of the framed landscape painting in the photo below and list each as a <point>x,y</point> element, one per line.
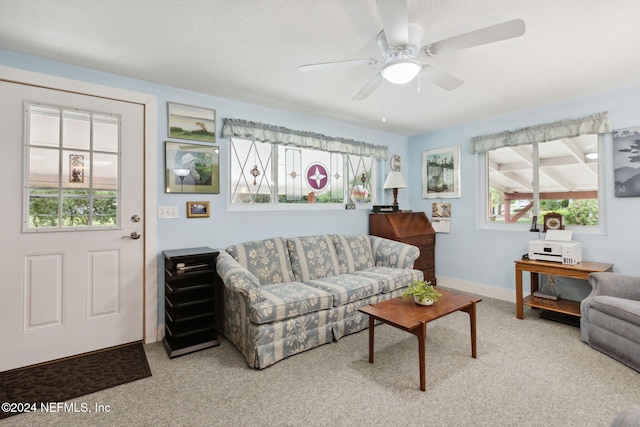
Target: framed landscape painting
<point>441,173</point>
<point>626,162</point>
<point>188,122</point>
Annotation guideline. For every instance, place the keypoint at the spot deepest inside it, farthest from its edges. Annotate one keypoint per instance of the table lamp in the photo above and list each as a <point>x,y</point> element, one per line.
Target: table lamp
<point>395,180</point>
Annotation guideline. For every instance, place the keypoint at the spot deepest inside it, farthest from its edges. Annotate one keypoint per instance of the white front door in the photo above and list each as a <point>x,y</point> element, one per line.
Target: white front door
<point>73,200</point>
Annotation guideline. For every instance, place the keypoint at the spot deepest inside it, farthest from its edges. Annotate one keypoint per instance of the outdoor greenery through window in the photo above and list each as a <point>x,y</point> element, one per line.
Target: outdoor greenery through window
<point>265,173</point>
<point>558,176</point>
<point>72,162</point>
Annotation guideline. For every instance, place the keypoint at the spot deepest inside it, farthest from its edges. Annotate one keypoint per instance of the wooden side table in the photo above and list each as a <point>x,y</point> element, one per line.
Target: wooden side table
<point>565,306</point>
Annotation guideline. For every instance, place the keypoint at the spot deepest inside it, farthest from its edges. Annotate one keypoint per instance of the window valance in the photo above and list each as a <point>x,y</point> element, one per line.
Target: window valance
<point>568,128</point>
<point>280,135</point>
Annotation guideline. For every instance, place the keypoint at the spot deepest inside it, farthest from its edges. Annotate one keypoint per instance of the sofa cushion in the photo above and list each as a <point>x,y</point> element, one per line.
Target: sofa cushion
<point>313,257</point>
<point>354,252</point>
<point>391,279</point>
<point>288,300</point>
<point>621,308</point>
<point>347,288</point>
<point>267,259</point>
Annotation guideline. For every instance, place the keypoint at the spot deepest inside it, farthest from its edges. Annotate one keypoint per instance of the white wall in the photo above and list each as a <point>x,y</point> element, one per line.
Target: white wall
<point>482,259</point>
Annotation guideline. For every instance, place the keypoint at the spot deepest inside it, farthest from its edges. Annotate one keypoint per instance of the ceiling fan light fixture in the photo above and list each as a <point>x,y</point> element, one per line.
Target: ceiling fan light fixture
<point>401,71</point>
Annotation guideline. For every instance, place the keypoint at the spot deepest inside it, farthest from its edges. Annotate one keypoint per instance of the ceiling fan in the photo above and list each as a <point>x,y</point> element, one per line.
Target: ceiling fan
<point>401,46</point>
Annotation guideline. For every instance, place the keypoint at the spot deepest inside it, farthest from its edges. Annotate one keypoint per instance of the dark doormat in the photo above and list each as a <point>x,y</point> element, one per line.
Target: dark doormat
<point>72,377</point>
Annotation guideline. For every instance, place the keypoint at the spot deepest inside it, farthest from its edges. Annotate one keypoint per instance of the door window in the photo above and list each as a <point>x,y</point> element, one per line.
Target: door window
<point>72,169</point>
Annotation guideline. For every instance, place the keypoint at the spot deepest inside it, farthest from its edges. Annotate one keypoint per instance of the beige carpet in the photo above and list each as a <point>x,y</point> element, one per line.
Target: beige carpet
<point>530,372</point>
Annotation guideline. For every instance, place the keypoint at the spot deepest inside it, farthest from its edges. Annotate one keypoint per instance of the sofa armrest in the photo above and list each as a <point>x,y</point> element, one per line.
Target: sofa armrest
<point>391,253</point>
<point>615,285</point>
<point>238,279</point>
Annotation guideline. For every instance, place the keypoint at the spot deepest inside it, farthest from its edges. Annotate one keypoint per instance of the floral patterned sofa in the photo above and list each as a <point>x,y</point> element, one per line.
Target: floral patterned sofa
<point>282,296</point>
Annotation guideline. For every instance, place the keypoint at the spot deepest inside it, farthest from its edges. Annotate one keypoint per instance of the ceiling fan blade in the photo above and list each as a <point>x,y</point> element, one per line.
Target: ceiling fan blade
<point>395,21</point>
<point>336,64</point>
<point>368,88</point>
<point>440,78</point>
<point>494,33</point>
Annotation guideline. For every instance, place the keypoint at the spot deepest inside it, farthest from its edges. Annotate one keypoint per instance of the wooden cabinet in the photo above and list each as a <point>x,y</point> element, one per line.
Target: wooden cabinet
<point>413,228</point>
<point>189,288</point>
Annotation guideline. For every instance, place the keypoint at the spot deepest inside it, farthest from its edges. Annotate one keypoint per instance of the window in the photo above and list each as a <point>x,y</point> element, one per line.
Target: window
<point>266,173</point>
<point>534,179</point>
<point>273,165</point>
<point>550,167</point>
<point>72,169</point>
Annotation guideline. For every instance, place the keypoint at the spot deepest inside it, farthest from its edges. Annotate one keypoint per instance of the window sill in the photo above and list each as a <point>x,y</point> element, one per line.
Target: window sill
<point>256,207</point>
<point>577,230</point>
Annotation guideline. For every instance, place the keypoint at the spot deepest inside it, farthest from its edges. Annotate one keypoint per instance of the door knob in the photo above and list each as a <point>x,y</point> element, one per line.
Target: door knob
<point>134,235</point>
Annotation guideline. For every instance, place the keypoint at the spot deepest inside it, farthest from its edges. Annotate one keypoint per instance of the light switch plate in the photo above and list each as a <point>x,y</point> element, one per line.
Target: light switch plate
<point>167,212</point>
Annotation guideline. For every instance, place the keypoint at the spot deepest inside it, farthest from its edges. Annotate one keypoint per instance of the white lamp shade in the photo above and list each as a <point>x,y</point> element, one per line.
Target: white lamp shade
<point>181,172</point>
<point>395,180</point>
<point>401,71</point>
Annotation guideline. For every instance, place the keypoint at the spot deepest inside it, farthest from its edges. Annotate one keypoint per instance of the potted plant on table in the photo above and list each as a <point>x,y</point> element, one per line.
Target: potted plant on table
<point>423,293</point>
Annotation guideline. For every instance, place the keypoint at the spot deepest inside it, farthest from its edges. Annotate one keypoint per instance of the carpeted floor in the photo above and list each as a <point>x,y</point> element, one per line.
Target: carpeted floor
<point>530,372</point>
<point>27,389</point>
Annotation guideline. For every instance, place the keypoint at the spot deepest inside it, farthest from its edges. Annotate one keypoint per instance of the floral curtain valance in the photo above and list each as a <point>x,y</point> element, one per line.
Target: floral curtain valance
<point>568,128</point>
<point>280,135</point>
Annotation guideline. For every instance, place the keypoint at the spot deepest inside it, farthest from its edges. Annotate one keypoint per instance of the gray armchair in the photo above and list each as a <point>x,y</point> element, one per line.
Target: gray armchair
<point>610,319</point>
<point>628,417</point>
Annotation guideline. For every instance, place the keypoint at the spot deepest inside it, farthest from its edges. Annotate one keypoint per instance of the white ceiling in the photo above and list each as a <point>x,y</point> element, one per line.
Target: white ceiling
<point>250,50</point>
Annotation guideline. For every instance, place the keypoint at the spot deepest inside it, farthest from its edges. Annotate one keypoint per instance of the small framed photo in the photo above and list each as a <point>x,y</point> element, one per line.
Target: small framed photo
<point>188,122</point>
<point>198,210</point>
<point>441,173</point>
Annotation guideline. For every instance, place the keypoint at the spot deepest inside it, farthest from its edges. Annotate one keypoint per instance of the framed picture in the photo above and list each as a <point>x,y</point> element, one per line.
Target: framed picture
<point>441,173</point>
<point>197,209</point>
<point>188,122</point>
<point>191,168</point>
<point>626,153</point>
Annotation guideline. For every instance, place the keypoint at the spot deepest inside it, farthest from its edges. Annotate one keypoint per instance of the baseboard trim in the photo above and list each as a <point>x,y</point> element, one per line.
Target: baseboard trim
<point>477,288</point>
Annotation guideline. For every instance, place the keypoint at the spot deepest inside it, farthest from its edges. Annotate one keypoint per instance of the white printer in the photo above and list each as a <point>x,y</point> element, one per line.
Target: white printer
<point>556,246</point>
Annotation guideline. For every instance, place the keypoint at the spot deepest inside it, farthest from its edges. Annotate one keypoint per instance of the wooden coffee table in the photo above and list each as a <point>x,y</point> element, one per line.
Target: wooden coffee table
<point>413,318</point>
